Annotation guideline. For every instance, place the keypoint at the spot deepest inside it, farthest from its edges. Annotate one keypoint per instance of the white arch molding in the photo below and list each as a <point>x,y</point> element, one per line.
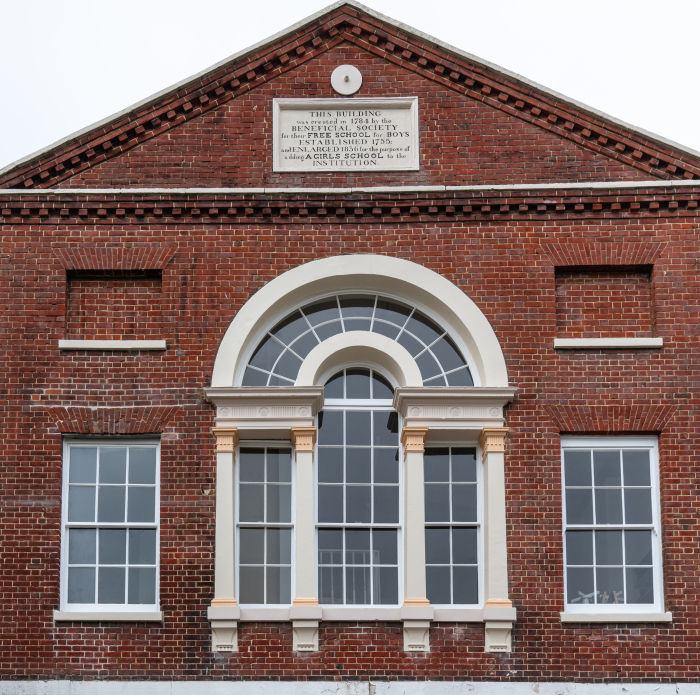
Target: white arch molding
<point>373,273</point>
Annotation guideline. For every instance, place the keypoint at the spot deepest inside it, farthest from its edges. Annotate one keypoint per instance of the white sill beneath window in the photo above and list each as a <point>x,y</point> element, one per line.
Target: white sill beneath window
<point>593,617</point>
<point>106,616</point>
<point>607,343</point>
<point>128,345</point>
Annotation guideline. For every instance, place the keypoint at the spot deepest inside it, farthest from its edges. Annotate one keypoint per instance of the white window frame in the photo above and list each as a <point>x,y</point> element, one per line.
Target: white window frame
<point>271,444</point>
<point>622,442</point>
<point>368,405</point>
<point>97,607</point>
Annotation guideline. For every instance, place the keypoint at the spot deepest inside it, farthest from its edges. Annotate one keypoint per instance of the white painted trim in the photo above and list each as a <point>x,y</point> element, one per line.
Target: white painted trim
<point>609,343</point>
<point>112,345</point>
<point>613,617</point>
<point>374,273</point>
<point>78,616</point>
<point>359,346</point>
<point>530,187</point>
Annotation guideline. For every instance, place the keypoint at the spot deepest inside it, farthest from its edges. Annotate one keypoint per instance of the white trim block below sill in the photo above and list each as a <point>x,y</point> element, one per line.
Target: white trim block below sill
<point>608,343</point>
<point>62,616</point>
<point>112,345</point>
<point>612,617</point>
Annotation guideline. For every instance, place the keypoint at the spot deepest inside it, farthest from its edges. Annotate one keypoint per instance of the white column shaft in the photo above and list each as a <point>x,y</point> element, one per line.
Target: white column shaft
<point>414,527</point>
<point>495,548</point>
<point>304,535</point>
<point>225,555</point>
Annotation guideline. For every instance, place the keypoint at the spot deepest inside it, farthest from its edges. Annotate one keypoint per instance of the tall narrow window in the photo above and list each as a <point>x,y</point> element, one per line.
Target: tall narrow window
<point>265,525</point>
<point>110,532</point>
<point>358,502</point>
<point>451,526</point>
<point>611,516</point>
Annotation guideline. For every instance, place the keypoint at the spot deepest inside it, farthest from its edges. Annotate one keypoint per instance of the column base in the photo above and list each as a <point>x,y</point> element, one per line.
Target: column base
<point>305,602</point>
<point>497,636</point>
<point>224,603</point>
<point>305,635</point>
<point>416,603</point>
<point>498,603</point>
<point>416,635</point>
<point>224,635</point>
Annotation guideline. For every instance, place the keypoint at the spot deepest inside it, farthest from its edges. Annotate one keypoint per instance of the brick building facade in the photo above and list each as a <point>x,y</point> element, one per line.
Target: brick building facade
<point>153,269</point>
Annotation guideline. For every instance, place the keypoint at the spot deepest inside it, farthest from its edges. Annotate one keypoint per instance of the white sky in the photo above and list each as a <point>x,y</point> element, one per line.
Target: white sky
<point>65,64</point>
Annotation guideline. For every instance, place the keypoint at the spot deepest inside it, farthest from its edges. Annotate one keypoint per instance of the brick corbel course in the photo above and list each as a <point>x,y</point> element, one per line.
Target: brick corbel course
<point>593,254</point>
<point>630,418</point>
<point>94,258</point>
<point>84,420</point>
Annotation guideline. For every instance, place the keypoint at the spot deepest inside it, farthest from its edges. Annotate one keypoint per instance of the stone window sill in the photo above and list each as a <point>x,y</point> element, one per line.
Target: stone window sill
<point>613,617</point>
<point>128,345</point>
<point>84,616</point>
<point>606,343</point>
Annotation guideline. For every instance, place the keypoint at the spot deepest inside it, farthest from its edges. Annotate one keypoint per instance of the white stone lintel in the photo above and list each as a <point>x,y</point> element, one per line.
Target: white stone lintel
<point>613,617</point>
<point>607,343</point>
<point>113,616</point>
<point>124,345</point>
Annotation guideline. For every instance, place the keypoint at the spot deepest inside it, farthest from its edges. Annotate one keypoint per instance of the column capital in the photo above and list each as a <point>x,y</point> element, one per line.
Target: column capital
<point>413,439</point>
<point>226,439</point>
<point>304,439</point>
<point>492,440</point>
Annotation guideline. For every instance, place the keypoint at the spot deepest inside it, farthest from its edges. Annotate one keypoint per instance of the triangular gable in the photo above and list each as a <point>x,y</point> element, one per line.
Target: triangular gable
<point>348,21</point>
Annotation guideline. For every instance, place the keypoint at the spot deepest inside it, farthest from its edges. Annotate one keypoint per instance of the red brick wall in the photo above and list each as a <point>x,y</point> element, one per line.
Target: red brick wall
<point>599,304</point>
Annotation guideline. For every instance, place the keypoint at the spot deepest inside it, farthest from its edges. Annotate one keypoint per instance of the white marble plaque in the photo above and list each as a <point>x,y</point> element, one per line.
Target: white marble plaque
<point>345,135</point>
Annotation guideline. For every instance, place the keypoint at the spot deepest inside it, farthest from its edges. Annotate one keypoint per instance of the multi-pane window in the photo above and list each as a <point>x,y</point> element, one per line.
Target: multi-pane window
<point>611,538</point>
<point>358,501</point>
<point>265,525</point>
<point>110,516</point>
<point>451,525</point>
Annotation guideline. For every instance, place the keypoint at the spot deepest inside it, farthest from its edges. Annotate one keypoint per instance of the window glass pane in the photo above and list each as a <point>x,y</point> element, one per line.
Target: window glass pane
<point>253,377</point>
<point>330,504</point>
<point>606,468</point>
<point>279,503</point>
<point>357,384</point>
<point>436,462</point>
<point>579,585</point>
<point>357,324</point>
<point>608,547</point>
<point>384,547</point>
<point>266,353</point>
<point>358,469</point>
<point>321,311</point>
<point>386,585</point>
<point>330,428</point>
<point>252,584</point>
<point>386,428</point>
<point>579,547</point>
<point>392,311</point>
<point>357,585</point>
<point>330,465</point>
<point>252,544</point>
<point>330,585</point>
<point>463,464</point>
<point>638,547</point>
<point>357,306</point>
<point>83,465</point>
<point>111,501</point>
<point>460,377</point>
<point>142,504</point>
<point>423,328</point>
<point>464,503</point>
<point>81,585</point>
<point>579,506</point>
<point>357,549</point>
<point>330,546</point>
<point>111,585</point>
<point>609,584</point>
<point>465,585</point>
<point>328,330</point>
<point>142,465</point>
<point>358,504</point>
<point>437,503</point>
<point>279,465</point>
<point>636,468</point>
<point>413,345</point>
<point>142,586</point>
<point>251,503</point>
<point>387,329</point>
<point>437,584</point>
<point>386,504</point>
<point>279,546</point>
<point>112,546</point>
<point>437,545</point>
<point>305,344</point>
<point>608,506</point>
<point>427,365</point>
<point>81,546</point>
<point>81,504</point>
<point>464,545</point>
<point>386,466</point>
<point>381,389</point>
<point>288,365</point>
<point>357,424</point>
<point>252,464</point>
<point>289,329</point>
<point>279,381</point>
<point>279,585</point>
<point>142,546</point>
<point>113,465</point>
<point>447,354</point>
<point>638,506</point>
<point>577,468</point>
<point>334,388</point>
<point>640,586</point>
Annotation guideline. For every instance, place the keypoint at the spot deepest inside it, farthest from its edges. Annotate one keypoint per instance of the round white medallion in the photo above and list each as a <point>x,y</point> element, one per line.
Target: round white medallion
<point>346,80</point>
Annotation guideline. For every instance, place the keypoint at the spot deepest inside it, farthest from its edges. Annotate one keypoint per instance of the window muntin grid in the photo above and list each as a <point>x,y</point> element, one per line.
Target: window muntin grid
<point>611,543</point>
<point>452,552</point>
<point>277,359</point>
<point>264,525</point>
<point>110,543</point>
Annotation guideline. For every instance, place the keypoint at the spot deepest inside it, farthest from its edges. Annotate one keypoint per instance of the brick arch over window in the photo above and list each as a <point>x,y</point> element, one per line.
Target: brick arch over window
<point>376,274</point>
